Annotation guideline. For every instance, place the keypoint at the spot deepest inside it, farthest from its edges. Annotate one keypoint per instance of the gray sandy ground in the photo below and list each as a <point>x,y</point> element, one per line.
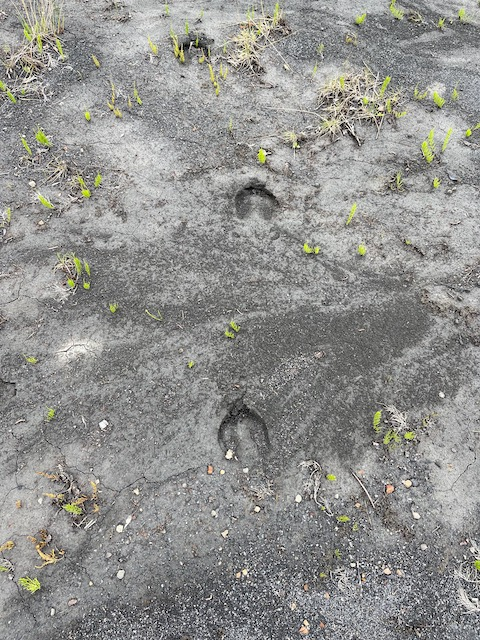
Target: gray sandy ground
<point>188,225</point>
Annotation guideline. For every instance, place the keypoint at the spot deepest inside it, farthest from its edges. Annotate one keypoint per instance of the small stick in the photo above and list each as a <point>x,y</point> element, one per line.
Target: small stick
<point>364,488</point>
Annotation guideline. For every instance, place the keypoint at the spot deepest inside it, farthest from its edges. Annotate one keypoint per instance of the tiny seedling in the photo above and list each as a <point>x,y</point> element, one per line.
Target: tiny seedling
<point>291,138</point>
<point>446,139</point>
<point>73,508</point>
<point>436,182</point>
<point>87,115</point>
<point>29,584</point>
<point>187,28</point>
<point>384,86</point>
<point>361,250</point>
<point>428,147</point>
<point>42,138</point>
<point>153,46</point>
<point>360,19</point>
<point>262,156</point>
<point>438,100</point>
<point>30,359</point>
<point>419,95</point>
<point>157,317</point>
<point>98,180</point>
<point>377,417</point>
<point>331,477</point>
<point>166,10</point>
<point>351,214</point>
<point>343,519</point>
<point>113,306</point>
<point>395,183</point>
<point>8,93</point>
<point>45,201</point>
<point>310,250</point>
<point>462,15</point>
<point>135,94</point>
<point>454,95</point>
<point>50,414</point>
<point>351,38</point>
<point>233,325</point>
<point>441,24</point>
<point>395,11</point>
<point>26,145</point>
<point>95,61</point>
<point>229,334</point>
<point>191,364</point>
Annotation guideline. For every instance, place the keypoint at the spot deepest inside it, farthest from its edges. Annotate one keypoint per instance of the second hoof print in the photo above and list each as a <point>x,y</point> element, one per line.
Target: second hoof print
<point>243,430</point>
<point>255,199</point>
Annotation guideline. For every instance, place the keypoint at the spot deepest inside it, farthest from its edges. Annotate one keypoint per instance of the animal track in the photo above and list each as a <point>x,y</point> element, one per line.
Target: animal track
<point>255,199</point>
<point>244,431</point>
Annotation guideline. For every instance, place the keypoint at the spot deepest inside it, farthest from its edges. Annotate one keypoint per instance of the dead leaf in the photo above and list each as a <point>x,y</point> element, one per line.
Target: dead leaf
<point>389,488</point>
<point>210,469</point>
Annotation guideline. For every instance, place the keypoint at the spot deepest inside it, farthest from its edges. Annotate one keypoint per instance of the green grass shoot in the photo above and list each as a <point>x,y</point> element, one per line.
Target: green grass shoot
<point>30,359</point>
<point>462,14</point>
<point>58,44</point>
<point>436,182</point>
<point>385,84</point>
<point>87,115</point>
<point>233,325</point>
<point>377,418</point>
<point>50,414</point>
<point>86,285</point>
<point>446,139</point>
<point>78,265</point>
<point>438,100</point>
<point>191,364</point>
<point>8,93</point>
<point>427,152</point>
<point>396,13</point>
<point>29,584</point>
<point>187,28</point>
<point>229,334</point>
<point>45,201</point>
<point>310,250</point>
<point>72,508</point>
<point>351,214</point>
<point>135,94</point>
<point>361,250</point>
<point>418,95</point>
<point>113,306</point>
<point>96,62</point>
<point>360,19</point>
<point>409,435</point>
<point>454,95</point>
<point>42,138</point>
<point>98,180</point>
<point>153,46</point>
<point>441,23</point>
<point>262,156</point>
<point>343,519</point>
<point>86,266</point>
<point>330,477</point>
<point>26,146</point>
<point>86,193</point>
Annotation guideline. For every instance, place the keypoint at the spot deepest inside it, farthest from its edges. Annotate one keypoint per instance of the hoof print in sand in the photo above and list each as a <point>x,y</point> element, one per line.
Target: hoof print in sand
<point>255,199</point>
<point>243,430</point>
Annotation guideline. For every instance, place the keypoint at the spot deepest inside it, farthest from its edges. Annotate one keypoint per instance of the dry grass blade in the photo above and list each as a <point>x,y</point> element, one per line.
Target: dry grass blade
<point>256,34</point>
<point>353,98</point>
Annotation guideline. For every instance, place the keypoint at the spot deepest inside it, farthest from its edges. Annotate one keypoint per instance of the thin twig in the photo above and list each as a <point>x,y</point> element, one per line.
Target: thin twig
<point>364,488</point>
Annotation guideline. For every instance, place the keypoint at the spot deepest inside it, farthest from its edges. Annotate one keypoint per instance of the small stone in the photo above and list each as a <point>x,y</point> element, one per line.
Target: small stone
<point>298,498</point>
<point>423,547</point>
<point>32,184</point>
<point>238,575</point>
<point>229,455</point>
<point>121,574</point>
<point>245,470</point>
<point>127,521</point>
<point>119,528</point>
<point>136,491</point>
<point>244,572</point>
<point>41,223</point>
<point>222,472</point>
<point>224,534</point>
<point>441,395</point>
<point>400,573</point>
<point>103,425</point>
<point>52,611</point>
<point>72,602</point>
<point>389,488</point>
<point>387,571</point>
<point>90,583</point>
<point>416,515</point>
<point>257,509</point>
<point>407,483</point>
<point>108,554</point>
<point>214,513</point>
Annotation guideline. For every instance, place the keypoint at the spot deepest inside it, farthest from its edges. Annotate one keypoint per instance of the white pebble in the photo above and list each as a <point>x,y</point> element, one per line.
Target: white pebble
<point>441,394</point>
<point>416,515</point>
<point>119,528</point>
<point>121,574</point>
<point>423,547</point>
<point>103,425</point>
<point>298,498</point>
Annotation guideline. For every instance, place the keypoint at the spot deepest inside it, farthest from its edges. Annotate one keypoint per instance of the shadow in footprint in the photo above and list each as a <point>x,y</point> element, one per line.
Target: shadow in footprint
<point>244,431</point>
<point>255,199</point>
